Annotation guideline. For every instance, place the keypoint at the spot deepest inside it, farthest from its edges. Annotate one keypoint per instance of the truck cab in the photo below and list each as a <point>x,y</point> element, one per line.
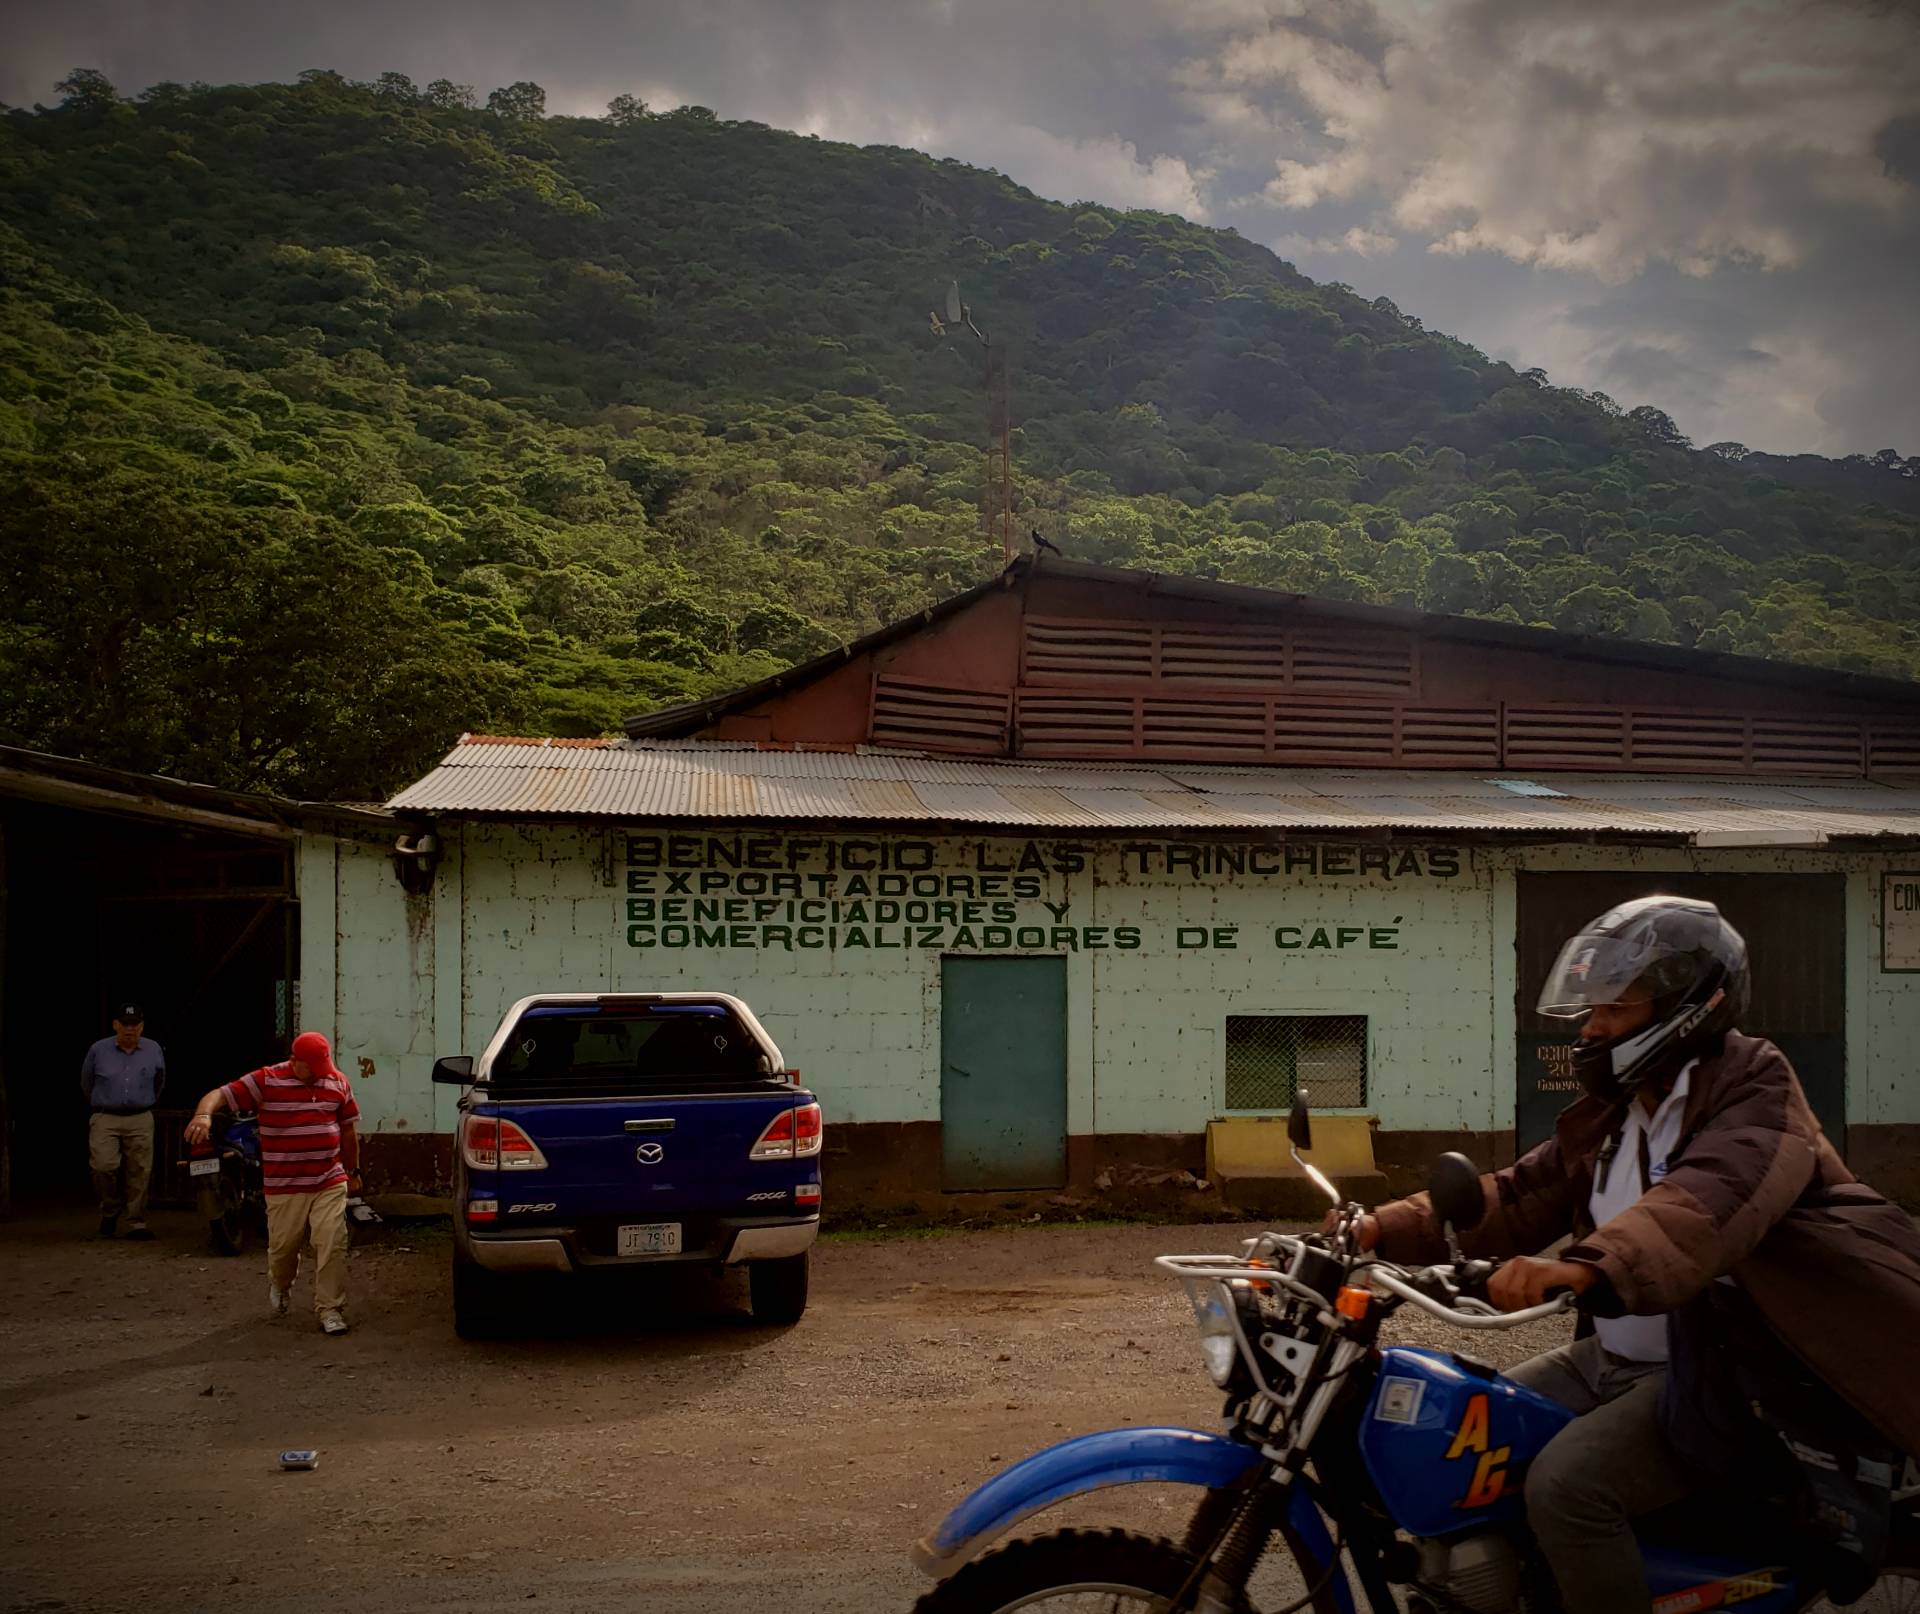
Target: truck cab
<point>602,1131</point>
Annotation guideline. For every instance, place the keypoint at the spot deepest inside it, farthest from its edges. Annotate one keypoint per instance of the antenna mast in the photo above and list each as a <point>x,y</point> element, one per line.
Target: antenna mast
<point>997,507</point>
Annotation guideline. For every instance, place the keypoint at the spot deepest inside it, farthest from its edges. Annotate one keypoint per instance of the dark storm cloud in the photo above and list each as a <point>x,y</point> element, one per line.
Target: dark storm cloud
<point>1644,197</point>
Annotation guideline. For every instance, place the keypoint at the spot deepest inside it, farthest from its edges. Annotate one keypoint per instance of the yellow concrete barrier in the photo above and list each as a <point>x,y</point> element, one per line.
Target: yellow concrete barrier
<point>1245,1146</point>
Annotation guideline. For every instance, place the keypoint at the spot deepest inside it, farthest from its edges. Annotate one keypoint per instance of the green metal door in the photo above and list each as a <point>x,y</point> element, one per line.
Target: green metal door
<point>1003,1072</point>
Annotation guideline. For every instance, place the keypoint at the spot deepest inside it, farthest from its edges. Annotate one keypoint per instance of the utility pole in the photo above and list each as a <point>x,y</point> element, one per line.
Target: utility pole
<point>997,506</point>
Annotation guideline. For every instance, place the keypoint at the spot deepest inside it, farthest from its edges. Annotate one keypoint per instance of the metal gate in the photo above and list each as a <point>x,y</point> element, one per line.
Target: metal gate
<point>1003,1072</point>
<point>1795,928</point>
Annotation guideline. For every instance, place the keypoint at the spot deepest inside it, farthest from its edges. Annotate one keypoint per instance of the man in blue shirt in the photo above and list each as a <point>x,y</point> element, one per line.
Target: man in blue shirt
<point>123,1077</point>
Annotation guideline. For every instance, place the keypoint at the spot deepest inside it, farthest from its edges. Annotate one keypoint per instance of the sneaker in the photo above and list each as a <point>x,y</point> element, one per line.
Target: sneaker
<point>276,1300</point>
<point>140,1231</point>
<point>331,1322</point>
<point>107,1225</point>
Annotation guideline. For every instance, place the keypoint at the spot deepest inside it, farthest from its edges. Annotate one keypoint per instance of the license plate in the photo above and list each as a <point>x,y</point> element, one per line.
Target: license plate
<point>203,1168</point>
<point>649,1238</point>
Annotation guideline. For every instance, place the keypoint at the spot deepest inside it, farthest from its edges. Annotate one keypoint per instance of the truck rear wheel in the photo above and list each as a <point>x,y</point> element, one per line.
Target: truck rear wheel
<point>478,1312</point>
<point>779,1288</point>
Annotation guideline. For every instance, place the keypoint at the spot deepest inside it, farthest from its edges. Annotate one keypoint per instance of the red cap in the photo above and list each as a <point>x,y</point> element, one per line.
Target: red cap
<point>316,1053</point>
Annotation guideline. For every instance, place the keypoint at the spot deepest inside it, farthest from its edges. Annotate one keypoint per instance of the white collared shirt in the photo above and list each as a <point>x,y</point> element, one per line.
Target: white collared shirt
<point>1639,1339</point>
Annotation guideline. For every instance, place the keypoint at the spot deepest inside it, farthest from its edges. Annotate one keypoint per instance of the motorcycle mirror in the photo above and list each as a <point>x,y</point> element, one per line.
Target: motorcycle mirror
<point>1453,1184</point>
<point>1300,1136</point>
<point>456,1069</point>
<point>1300,1122</point>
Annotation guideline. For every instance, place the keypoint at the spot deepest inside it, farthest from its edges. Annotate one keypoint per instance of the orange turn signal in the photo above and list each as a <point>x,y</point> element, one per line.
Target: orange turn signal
<point>1353,1302</point>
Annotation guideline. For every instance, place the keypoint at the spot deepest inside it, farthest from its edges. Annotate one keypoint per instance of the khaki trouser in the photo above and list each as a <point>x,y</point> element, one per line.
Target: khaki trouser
<point>1601,1472</point>
<point>114,1141</point>
<point>293,1220</point>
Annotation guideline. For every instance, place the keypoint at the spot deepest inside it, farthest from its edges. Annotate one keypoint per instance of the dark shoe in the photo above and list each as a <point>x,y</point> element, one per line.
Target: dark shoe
<point>142,1232</point>
<point>107,1225</point>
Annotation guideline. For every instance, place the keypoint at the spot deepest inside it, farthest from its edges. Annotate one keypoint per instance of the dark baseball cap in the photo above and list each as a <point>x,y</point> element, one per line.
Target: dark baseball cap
<point>130,1014</point>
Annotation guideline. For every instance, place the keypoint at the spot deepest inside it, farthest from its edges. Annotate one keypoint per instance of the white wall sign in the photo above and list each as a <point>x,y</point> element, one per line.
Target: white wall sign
<point>1900,922</point>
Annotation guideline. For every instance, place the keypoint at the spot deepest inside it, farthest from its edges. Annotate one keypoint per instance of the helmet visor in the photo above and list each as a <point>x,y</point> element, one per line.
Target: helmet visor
<point>1595,968</point>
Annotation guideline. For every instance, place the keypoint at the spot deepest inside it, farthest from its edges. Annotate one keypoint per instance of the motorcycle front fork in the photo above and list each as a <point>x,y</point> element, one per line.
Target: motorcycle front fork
<point>1229,1532</point>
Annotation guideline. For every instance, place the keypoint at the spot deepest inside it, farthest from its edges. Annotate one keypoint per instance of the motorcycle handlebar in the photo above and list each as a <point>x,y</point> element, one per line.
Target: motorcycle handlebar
<point>1409,1289</point>
<point>1436,1290</point>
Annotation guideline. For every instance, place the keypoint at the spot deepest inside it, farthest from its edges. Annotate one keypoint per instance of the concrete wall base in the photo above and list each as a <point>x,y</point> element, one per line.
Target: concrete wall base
<point>1888,1157</point>
<point>886,1168</point>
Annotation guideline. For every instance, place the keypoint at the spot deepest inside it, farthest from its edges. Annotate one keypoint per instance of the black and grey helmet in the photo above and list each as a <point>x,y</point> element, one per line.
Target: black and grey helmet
<point>1674,952</point>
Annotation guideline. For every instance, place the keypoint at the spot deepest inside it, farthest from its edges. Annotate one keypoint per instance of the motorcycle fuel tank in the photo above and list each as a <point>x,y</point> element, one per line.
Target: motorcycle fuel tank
<point>1448,1444</point>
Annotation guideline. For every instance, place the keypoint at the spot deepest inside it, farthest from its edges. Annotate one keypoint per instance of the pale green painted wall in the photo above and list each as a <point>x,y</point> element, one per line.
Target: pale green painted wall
<point>518,908</point>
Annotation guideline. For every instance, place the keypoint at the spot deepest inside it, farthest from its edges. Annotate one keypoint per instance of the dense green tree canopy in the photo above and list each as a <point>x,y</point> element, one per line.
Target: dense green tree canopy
<point>336,418</point>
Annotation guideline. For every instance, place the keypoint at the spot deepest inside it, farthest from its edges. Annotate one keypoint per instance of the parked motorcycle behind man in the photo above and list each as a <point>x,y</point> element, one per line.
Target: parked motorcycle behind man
<point>229,1189</point>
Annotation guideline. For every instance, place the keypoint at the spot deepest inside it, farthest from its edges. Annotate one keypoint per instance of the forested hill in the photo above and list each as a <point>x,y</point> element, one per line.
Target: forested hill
<point>336,418</point>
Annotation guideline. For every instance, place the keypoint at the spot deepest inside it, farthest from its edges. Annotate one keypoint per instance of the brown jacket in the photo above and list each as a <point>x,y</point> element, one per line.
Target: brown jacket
<point>1753,1190</point>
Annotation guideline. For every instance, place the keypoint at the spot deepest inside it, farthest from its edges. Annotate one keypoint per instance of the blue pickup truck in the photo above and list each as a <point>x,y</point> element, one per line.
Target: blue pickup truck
<point>620,1131</point>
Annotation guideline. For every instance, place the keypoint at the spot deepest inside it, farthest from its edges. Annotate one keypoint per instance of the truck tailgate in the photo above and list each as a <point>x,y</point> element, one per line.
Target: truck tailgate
<point>658,1158</point>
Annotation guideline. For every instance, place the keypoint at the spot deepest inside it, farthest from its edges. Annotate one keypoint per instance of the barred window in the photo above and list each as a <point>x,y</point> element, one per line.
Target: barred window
<point>1270,1057</point>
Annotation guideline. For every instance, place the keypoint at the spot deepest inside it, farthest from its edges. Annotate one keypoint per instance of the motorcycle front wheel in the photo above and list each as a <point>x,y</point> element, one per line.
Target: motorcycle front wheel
<point>1081,1572</point>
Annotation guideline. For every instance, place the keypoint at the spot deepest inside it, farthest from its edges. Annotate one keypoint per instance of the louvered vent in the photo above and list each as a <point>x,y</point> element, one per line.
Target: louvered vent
<point>1327,659</point>
<point>1069,651</point>
<point>1225,729</point>
<point>1077,725</point>
<point>1334,736</point>
<point>1893,747</point>
<point>1254,729</point>
<point>1682,742</point>
<point>1808,746</point>
<point>1685,742</point>
<point>1248,726</point>
<point>1435,737</point>
<point>1204,656</point>
<point>1565,737</point>
<point>936,717</point>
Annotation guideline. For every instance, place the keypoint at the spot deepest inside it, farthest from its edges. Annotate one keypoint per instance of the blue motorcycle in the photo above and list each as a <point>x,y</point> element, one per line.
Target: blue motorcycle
<point>1392,1475</point>
<point>228,1182</point>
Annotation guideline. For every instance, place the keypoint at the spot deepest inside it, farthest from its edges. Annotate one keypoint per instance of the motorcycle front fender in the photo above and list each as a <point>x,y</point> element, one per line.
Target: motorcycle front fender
<point>1074,1467</point>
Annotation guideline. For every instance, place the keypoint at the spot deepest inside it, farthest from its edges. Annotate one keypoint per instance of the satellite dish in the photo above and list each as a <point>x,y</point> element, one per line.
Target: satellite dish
<point>954,309</point>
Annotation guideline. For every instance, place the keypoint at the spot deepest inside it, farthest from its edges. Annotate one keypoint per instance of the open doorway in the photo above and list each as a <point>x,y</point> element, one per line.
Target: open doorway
<point>197,925</point>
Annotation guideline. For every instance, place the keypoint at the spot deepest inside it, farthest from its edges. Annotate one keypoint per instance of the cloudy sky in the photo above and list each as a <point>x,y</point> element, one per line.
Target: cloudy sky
<point>1712,206</point>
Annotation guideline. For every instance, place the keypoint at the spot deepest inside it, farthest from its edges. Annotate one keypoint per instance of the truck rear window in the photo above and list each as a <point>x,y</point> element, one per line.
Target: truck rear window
<point>589,1046</point>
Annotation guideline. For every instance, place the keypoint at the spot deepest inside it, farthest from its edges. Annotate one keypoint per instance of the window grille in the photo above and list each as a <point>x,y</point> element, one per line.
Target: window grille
<point>1270,1057</point>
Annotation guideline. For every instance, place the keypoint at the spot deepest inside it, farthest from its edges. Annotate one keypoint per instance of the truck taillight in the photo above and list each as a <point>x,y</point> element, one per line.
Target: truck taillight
<point>483,1210</point>
<point>492,1144</point>
<point>807,1196</point>
<point>790,1135</point>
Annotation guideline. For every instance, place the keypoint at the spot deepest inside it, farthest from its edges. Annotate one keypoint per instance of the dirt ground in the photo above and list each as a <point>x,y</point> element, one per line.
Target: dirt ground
<point>646,1448</point>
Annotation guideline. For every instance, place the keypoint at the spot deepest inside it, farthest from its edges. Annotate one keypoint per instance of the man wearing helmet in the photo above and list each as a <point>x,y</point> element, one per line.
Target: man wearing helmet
<point>1719,1244</point>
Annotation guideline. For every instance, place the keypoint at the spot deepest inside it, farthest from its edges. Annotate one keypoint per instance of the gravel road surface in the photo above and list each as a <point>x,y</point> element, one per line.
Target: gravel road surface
<point>644,1449</point>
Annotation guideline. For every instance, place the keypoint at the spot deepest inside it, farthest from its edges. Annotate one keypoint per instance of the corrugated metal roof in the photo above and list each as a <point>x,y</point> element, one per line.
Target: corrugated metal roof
<point>91,786</point>
<point>734,781</point>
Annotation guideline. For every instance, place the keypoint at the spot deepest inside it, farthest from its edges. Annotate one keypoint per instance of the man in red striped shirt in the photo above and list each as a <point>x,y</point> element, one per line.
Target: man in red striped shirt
<point>310,1159</point>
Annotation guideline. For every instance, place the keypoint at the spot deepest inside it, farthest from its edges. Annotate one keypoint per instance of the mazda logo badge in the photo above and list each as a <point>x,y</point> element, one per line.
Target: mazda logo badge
<point>650,1154</point>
